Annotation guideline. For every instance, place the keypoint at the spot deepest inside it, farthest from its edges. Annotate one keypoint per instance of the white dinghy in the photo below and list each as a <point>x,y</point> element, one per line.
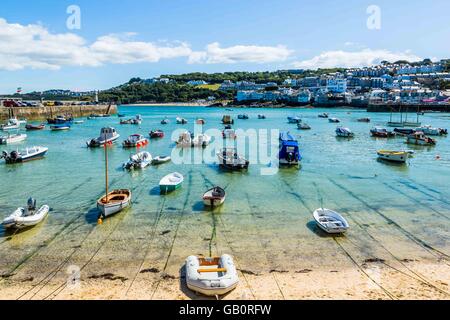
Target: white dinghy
<point>26,217</point>
<point>211,276</point>
<point>330,221</point>
<point>214,197</point>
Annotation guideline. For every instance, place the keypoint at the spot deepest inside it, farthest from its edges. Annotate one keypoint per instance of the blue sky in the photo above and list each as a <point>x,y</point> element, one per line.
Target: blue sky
<point>122,39</point>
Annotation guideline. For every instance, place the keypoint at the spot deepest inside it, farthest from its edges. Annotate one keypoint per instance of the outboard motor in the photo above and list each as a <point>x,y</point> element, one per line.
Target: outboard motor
<point>4,155</point>
<point>31,204</point>
<point>14,155</point>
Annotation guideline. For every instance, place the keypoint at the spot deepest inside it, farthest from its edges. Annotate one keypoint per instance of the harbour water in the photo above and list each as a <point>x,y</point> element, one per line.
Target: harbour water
<point>396,212</point>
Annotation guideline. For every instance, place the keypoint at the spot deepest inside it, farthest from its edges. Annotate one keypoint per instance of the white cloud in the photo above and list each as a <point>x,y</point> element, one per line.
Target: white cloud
<point>33,46</point>
<point>351,59</point>
<point>240,53</point>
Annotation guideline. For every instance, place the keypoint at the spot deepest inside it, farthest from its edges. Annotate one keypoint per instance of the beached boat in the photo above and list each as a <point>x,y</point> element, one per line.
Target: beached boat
<point>294,119</point>
<point>419,138</point>
<point>171,182</point>
<point>184,140</point>
<point>140,160</point>
<point>289,153</point>
<point>211,276</point>
<point>201,140</point>
<point>114,201</point>
<point>135,140</point>
<point>214,197</point>
<point>380,132</point>
<point>161,159</point>
<point>227,119</point>
<point>156,134</point>
<point>229,134</point>
<point>323,115</point>
<point>261,116</point>
<point>344,132</point>
<point>181,120</point>
<point>330,221</point>
<point>334,120</point>
<point>430,131</point>
<point>395,156</point>
<point>230,159</point>
<point>32,127</point>
<point>28,154</point>
<point>363,120</point>
<point>165,121</point>
<point>107,136</point>
<point>13,138</point>
<point>60,127</point>
<point>303,126</point>
<point>11,124</point>
<point>26,217</point>
<point>243,116</point>
<point>200,121</point>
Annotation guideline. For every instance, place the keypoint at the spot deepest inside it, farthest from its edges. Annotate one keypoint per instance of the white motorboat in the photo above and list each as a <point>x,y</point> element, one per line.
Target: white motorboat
<point>334,120</point>
<point>107,136</point>
<point>344,132</point>
<point>395,156</point>
<point>26,217</point>
<point>330,221</point>
<point>28,154</point>
<point>230,159</point>
<point>324,115</point>
<point>13,138</point>
<point>12,124</point>
<point>161,159</point>
<point>303,126</point>
<point>211,276</point>
<point>135,140</point>
<point>181,120</point>
<point>294,119</point>
<point>171,182</point>
<point>419,138</point>
<point>184,140</point>
<point>430,131</point>
<point>140,160</point>
<point>202,140</point>
<point>214,197</point>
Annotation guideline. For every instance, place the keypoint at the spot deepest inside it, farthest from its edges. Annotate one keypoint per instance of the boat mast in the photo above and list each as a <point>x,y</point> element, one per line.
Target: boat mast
<point>106,169</point>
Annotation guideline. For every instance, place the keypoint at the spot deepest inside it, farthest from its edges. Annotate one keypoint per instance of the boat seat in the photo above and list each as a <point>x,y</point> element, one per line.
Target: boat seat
<point>212,270</point>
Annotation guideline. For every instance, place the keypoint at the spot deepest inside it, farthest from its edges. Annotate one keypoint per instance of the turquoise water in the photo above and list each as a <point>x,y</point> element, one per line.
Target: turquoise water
<point>341,174</point>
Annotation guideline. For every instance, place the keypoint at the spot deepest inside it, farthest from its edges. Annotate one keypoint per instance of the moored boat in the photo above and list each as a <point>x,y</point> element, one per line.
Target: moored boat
<point>395,156</point>
<point>135,140</point>
<point>140,160</point>
<point>294,119</point>
<point>181,120</point>
<point>165,121</point>
<point>184,140</point>
<point>404,131</point>
<point>430,131</point>
<point>60,127</point>
<point>323,115</point>
<point>214,197</point>
<point>137,120</point>
<point>60,120</point>
<point>380,132</point>
<point>28,154</point>
<point>26,217</point>
<point>11,124</point>
<point>161,159</point>
<point>229,134</point>
<point>303,126</point>
<point>227,119</point>
<point>344,132</point>
<point>171,182</point>
<point>261,116</point>
<point>156,134</point>
<point>32,127</point>
<point>107,136</point>
<point>230,159</point>
<point>289,153</point>
<point>201,140</point>
<point>363,120</point>
<point>200,121</point>
<point>330,221</point>
<point>13,138</point>
<point>211,276</point>
<point>243,116</point>
<point>419,138</point>
<point>334,120</point>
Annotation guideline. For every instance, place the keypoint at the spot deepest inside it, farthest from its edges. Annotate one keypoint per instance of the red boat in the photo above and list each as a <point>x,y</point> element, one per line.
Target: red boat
<point>156,134</point>
<point>31,127</point>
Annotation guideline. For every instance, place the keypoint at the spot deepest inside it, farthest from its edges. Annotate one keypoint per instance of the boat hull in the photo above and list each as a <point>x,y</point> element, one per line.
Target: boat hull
<point>164,188</point>
<point>113,207</point>
<point>399,157</point>
<point>27,221</point>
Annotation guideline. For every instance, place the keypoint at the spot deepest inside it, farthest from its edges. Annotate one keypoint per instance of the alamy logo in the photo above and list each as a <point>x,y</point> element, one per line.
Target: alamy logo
<point>73,22</point>
<point>374,19</point>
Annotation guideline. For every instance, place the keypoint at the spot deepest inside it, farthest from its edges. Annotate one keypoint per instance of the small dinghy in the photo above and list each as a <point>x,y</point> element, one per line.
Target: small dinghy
<point>231,160</point>
<point>26,217</point>
<point>200,121</point>
<point>214,197</point>
<point>294,119</point>
<point>330,221</point>
<point>114,202</point>
<point>181,120</point>
<point>261,116</point>
<point>334,120</point>
<point>165,121</point>
<point>323,115</point>
<point>135,140</point>
<point>78,122</point>
<point>243,116</point>
<point>171,182</point>
<point>156,134</point>
<point>28,154</point>
<point>303,126</point>
<point>161,160</point>
<point>364,120</point>
<point>32,127</point>
<point>211,276</point>
<point>395,156</point>
<point>60,127</point>
<point>344,132</point>
<point>13,138</point>
<point>107,136</point>
<point>140,160</point>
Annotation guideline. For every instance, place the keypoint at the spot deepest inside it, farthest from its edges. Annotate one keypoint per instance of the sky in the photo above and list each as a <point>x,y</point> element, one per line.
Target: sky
<point>46,44</point>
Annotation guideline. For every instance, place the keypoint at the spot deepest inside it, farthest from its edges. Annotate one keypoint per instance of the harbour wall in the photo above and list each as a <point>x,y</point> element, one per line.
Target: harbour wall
<point>410,108</point>
<point>42,113</point>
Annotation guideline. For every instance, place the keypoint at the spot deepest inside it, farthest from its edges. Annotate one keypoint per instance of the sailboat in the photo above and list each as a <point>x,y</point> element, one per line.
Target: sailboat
<point>114,201</point>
